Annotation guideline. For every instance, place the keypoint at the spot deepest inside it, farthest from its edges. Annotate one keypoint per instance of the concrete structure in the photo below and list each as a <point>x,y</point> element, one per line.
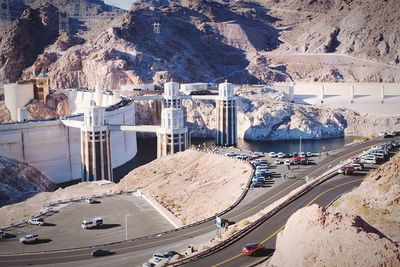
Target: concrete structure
<point>172,137</point>
<point>22,115</point>
<point>95,145</point>
<point>78,100</point>
<point>226,115</point>
<point>171,95</point>
<point>42,87</point>
<point>369,98</point>
<point>17,95</point>
<point>54,147</point>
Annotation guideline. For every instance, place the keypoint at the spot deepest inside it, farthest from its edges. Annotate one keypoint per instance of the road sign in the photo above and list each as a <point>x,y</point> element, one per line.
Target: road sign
<point>218,222</point>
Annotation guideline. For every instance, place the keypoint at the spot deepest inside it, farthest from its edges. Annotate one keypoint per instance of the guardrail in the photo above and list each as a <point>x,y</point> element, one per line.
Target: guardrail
<point>327,175</point>
<point>242,196</point>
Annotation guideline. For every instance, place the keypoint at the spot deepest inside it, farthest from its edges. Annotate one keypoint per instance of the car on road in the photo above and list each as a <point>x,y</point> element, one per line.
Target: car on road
<point>98,252</point>
<point>251,248</point>
<point>287,162</point>
<point>278,161</point>
<point>3,234</point>
<point>35,221</point>
<point>346,169</point>
<point>29,239</point>
<point>163,257</point>
<point>272,154</point>
<point>281,155</point>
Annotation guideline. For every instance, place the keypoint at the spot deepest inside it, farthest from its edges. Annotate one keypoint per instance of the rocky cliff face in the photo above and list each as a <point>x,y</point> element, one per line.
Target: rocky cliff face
<point>56,106</point>
<point>265,114</point>
<point>377,199</point>
<point>26,39</point>
<point>314,237</point>
<point>19,181</point>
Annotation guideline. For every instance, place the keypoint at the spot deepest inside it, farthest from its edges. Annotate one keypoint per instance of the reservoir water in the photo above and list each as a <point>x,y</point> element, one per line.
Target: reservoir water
<point>147,149</point>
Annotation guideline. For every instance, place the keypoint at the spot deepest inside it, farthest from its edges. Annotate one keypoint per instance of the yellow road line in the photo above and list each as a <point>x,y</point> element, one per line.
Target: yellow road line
<point>280,228</point>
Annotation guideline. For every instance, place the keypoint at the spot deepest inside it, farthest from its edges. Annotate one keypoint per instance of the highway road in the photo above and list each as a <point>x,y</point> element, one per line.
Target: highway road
<point>141,250</point>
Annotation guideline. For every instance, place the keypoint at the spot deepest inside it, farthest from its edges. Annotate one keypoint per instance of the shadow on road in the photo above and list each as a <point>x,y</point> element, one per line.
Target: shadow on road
<point>49,224</point>
<point>104,226</point>
<point>40,241</point>
<point>264,252</point>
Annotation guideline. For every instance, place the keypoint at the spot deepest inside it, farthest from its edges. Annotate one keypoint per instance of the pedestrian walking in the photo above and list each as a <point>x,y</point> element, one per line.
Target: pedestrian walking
<point>284,176</point>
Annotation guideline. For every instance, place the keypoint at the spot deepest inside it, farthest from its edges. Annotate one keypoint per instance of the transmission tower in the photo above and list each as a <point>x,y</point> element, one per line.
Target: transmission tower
<point>156,27</point>
<point>5,15</point>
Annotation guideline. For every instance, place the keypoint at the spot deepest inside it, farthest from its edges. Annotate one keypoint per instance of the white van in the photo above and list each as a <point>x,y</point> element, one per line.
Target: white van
<point>89,223</point>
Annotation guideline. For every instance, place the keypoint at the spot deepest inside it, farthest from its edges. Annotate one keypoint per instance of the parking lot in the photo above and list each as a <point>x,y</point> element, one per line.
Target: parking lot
<point>63,229</point>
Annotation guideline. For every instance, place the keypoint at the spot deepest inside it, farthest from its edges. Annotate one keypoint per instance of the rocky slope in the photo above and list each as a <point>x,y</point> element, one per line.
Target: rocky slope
<point>377,199</point>
<point>56,106</point>
<point>315,237</point>
<point>19,181</point>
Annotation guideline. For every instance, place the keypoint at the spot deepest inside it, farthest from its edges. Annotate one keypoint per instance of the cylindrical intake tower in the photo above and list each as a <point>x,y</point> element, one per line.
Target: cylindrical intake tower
<point>95,145</point>
<point>171,95</point>
<point>172,136</point>
<point>226,115</point>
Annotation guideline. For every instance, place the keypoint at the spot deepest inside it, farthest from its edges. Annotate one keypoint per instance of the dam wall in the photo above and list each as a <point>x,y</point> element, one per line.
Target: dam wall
<point>367,98</point>
<point>55,149</point>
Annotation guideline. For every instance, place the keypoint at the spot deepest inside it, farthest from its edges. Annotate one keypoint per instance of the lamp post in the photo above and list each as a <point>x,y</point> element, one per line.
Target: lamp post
<point>126,225</point>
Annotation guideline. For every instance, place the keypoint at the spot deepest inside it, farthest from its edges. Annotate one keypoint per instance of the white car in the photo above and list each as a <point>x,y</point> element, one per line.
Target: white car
<point>272,154</point>
<point>278,162</point>
<point>35,221</point>
<point>357,167</point>
<point>230,154</point>
<point>281,155</point>
<point>89,200</point>
<point>368,160</point>
<point>287,162</point>
<point>263,165</point>
<point>29,239</point>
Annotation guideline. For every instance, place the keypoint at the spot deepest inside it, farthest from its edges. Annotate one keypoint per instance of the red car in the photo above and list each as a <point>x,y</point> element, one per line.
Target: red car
<point>251,248</point>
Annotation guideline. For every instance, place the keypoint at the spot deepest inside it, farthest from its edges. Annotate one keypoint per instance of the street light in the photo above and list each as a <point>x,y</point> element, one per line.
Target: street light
<point>126,225</point>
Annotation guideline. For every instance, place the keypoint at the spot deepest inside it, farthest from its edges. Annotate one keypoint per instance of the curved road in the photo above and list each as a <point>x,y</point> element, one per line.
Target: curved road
<point>141,250</point>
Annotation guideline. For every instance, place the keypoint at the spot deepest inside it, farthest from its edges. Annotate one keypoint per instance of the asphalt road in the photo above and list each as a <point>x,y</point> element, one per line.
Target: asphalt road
<point>243,210</point>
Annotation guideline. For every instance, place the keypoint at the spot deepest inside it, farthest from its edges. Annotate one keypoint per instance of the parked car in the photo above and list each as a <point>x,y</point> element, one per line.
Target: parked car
<point>281,155</point>
<point>278,161</point>
<point>256,184</point>
<point>89,200</point>
<point>89,223</point>
<point>309,154</point>
<point>368,161</point>
<point>272,154</point>
<point>346,169</point>
<point>2,234</point>
<point>357,166</point>
<point>251,248</point>
<point>35,221</point>
<point>230,154</point>
<point>287,162</point>
<point>29,239</point>
<point>98,252</point>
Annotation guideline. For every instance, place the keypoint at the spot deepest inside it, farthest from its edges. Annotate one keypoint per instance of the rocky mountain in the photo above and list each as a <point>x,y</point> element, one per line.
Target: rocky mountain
<point>315,237</point>
<point>18,181</point>
<point>26,39</point>
<point>377,199</point>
